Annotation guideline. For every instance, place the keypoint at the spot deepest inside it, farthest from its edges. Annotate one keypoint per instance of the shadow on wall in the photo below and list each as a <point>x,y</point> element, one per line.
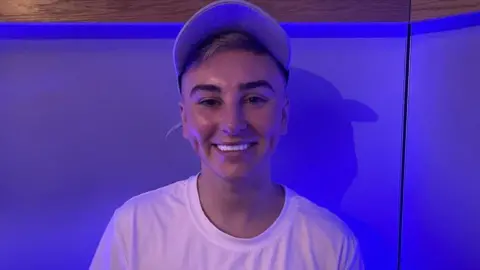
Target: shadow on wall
<point>317,158</point>
<point>321,132</point>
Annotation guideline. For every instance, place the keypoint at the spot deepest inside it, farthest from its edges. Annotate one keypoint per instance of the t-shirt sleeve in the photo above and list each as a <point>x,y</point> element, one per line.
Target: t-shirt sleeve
<point>111,252</point>
<point>351,255</point>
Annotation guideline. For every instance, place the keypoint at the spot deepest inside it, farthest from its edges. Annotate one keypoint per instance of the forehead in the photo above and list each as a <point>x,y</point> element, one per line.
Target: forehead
<point>233,68</point>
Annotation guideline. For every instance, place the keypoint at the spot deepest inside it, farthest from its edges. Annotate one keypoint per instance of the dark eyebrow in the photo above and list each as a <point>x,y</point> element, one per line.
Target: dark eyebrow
<point>205,87</point>
<point>243,86</point>
<point>256,84</point>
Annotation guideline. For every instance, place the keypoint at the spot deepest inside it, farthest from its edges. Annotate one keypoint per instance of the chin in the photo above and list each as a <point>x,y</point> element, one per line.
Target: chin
<point>233,172</point>
<point>234,166</point>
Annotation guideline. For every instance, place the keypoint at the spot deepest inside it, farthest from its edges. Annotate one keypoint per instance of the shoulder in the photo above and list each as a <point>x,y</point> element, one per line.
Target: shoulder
<point>163,201</point>
<point>319,218</point>
<point>132,223</point>
<point>327,232</point>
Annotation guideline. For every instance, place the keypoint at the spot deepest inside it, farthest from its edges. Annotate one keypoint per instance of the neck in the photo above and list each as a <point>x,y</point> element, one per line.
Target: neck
<point>234,205</point>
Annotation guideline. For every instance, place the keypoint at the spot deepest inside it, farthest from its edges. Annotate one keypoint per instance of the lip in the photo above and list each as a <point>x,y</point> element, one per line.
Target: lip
<point>234,143</point>
<point>234,154</point>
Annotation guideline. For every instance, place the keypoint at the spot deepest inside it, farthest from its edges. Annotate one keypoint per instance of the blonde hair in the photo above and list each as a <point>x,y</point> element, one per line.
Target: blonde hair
<point>174,128</point>
<point>226,41</point>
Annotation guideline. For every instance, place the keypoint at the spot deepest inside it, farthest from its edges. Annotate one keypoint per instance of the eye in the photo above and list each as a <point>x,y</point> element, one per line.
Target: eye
<point>210,102</point>
<point>255,100</point>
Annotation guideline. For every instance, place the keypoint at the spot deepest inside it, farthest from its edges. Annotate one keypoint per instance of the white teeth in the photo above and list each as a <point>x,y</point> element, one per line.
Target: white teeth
<point>227,148</point>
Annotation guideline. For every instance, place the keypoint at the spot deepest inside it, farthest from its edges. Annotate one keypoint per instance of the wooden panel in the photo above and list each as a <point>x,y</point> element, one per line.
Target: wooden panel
<point>428,9</point>
<point>181,10</point>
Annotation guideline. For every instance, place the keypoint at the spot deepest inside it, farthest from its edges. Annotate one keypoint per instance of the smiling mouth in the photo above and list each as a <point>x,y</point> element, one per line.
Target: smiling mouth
<point>234,147</point>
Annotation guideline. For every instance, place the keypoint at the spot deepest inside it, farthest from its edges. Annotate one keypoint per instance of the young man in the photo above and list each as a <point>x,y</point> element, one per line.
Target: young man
<point>232,61</point>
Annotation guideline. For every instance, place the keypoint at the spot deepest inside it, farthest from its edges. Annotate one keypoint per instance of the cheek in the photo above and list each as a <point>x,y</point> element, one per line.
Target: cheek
<point>199,130</point>
<point>266,123</point>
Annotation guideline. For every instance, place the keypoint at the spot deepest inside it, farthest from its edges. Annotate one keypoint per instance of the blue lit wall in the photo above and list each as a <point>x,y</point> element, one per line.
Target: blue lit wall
<point>84,109</point>
<point>441,209</point>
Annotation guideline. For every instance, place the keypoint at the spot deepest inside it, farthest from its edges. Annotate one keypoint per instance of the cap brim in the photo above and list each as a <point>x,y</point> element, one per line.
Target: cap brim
<point>231,15</point>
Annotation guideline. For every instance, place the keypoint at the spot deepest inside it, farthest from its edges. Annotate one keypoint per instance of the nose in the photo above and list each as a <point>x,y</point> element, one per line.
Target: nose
<point>233,120</point>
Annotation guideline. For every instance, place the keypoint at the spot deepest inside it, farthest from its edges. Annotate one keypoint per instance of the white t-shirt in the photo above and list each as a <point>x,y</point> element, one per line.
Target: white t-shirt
<point>166,229</point>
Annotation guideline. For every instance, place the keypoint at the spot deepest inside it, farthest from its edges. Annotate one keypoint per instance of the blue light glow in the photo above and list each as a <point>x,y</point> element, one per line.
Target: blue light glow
<point>170,30</point>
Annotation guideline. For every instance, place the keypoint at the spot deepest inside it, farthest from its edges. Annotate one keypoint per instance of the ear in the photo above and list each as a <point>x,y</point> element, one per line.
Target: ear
<point>285,116</point>
<point>184,119</point>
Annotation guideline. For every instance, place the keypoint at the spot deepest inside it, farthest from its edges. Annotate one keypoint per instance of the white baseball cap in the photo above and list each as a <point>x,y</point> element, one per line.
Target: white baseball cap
<point>232,15</point>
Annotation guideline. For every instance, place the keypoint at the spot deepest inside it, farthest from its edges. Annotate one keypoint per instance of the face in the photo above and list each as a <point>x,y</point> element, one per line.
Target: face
<point>234,110</point>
